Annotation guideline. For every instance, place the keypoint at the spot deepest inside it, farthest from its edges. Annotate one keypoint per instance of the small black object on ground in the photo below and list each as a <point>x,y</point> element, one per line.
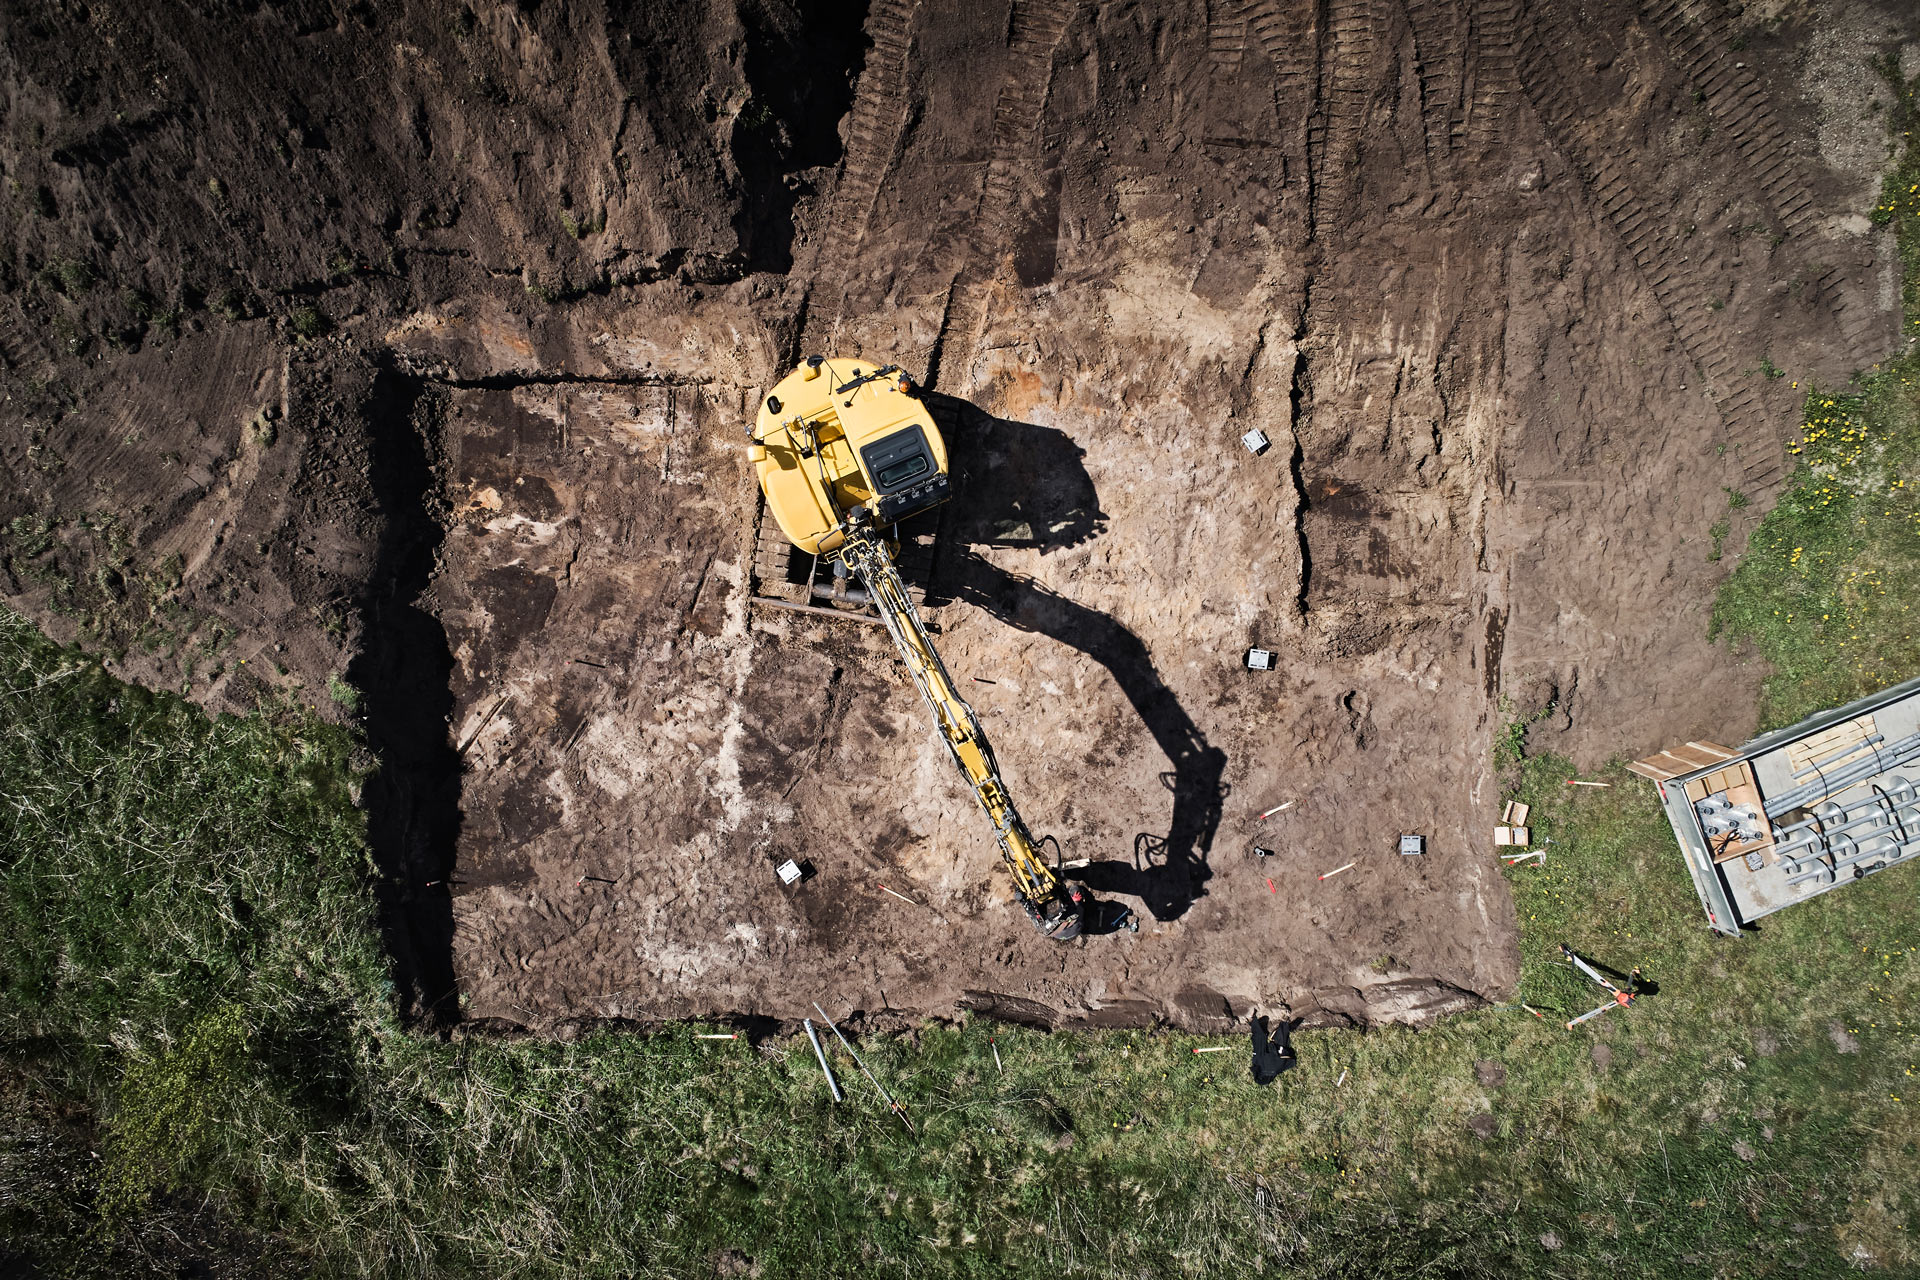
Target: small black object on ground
<point>1272,1054</point>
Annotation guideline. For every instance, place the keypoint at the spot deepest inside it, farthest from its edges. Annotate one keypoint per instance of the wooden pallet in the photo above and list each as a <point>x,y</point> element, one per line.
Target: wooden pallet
<point>1830,742</point>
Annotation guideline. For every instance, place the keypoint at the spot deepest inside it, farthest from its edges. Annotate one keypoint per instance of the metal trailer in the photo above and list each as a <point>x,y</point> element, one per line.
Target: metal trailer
<point>1796,812</point>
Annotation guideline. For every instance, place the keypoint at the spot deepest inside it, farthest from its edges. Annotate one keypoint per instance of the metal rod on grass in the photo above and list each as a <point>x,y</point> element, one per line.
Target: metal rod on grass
<point>872,1079</point>
<point>820,1053</point>
<point>719,1035</point>
<point>1216,1048</point>
<point>1575,782</point>
<point>992,1044</point>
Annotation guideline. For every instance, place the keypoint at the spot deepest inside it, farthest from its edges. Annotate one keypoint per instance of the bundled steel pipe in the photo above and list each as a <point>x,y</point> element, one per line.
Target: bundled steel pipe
<point>1819,766</point>
<point>1882,759</point>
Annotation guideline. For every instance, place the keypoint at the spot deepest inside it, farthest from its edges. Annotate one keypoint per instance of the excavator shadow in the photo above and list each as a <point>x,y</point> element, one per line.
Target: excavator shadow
<point>1023,485</point>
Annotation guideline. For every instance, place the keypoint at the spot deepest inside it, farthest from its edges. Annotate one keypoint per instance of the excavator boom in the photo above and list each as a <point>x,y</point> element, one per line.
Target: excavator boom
<point>1040,889</point>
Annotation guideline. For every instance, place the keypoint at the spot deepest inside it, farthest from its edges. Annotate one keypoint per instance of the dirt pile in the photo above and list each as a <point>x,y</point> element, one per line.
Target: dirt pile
<point>415,354</point>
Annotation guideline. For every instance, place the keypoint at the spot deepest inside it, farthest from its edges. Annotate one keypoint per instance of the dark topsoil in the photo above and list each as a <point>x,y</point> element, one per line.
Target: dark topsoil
<point>398,364</point>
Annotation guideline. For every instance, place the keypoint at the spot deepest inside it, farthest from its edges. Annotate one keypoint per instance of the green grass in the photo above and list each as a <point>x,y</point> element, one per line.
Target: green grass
<point>187,956</point>
<point>1829,591</point>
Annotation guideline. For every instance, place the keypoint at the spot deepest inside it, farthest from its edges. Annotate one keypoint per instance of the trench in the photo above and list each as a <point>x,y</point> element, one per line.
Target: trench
<point>403,671</point>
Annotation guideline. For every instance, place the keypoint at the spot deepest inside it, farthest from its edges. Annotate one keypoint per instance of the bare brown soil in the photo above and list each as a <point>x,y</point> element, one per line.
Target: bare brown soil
<point>417,351</point>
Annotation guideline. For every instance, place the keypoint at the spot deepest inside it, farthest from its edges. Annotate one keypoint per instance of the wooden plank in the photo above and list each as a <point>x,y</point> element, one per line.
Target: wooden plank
<point>1651,772</point>
<point>817,610</point>
<point>1694,756</point>
<point>1697,790</point>
<point>1715,749</point>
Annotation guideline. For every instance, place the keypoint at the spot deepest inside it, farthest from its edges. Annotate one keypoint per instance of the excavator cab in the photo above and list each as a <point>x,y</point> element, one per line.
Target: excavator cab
<point>842,450</point>
<point>843,441</point>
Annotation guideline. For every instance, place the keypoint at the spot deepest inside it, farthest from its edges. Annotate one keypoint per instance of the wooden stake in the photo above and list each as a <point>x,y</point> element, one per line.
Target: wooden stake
<point>1575,782</point>
<point>1216,1048</point>
<point>903,897</point>
<point>1337,870</point>
<point>1276,809</point>
<point>996,1055</point>
<point>724,1035</point>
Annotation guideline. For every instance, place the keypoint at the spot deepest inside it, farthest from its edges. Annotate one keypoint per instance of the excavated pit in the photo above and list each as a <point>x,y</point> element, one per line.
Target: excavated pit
<point>1499,283</point>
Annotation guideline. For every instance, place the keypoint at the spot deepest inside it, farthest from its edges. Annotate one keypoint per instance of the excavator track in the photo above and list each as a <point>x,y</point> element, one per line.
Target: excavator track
<point>783,575</point>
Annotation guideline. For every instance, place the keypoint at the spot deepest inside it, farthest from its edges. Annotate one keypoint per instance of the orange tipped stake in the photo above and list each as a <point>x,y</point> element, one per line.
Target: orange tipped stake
<point>903,897</point>
<point>1575,782</point>
<point>1337,870</point>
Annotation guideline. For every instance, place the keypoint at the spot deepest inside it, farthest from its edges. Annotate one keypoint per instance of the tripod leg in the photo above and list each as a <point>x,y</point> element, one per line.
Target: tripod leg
<point>1591,1013</point>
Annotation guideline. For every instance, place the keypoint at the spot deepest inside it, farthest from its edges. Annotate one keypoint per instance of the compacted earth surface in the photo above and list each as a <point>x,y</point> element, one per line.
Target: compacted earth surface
<point>400,364</point>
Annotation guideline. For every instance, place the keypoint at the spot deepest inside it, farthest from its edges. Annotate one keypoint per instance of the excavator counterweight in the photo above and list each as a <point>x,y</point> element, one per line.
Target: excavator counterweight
<point>844,450</point>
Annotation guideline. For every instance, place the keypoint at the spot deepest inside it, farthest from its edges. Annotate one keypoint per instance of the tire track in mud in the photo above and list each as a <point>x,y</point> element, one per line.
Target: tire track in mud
<point>873,139</point>
<point>1678,287</point>
<point>1464,62</point>
<point>1700,42</point>
<point>1496,77</point>
<point>1289,37</point>
<point>1226,40</point>
<point>1346,85</point>
<point>1036,32</point>
<point>1440,66</point>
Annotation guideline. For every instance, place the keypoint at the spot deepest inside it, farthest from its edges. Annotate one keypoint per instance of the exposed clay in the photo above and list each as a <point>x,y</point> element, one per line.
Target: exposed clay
<point>1497,284</point>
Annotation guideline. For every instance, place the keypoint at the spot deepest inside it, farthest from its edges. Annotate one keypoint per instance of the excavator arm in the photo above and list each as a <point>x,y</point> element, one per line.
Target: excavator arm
<point>1053,905</point>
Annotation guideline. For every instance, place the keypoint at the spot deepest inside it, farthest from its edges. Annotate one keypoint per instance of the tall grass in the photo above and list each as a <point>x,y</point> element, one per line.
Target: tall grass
<point>187,955</point>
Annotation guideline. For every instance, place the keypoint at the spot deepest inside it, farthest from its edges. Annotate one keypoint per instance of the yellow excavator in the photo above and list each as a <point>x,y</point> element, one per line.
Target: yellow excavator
<point>843,450</point>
